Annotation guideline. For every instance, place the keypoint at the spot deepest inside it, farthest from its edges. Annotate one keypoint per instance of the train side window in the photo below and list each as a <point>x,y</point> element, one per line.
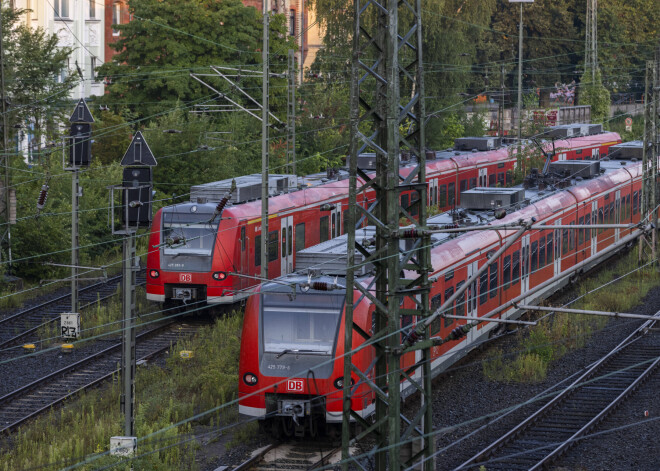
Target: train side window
<point>451,194</point>
<point>587,232</point>
<point>464,185</point>
<point>634,203</point>
<point>627,207</point>
<point>243,239</point>
<point>300,236</point>
<point>493,280</point>
<point>324,228</point>
<point>257,251</point>
<point>571,238</point>
<point>509,177</point>
<point>404,202</point>
<point>606,211</point>
<point>443,196</point>
<point>515,267</point>
<point>449,275</point>
<point>450,310</point>
<point>290,247</point>
<point>483,287</point>
<point>549,247</point>
<point>473,182</point>
<point>460,302</point>
<point>491,180</point>
<point>272,246</point>
<point>506,272</point>
<point>581,231</point>
<point>500,179</point>
<point>600,219</point>
<point>541,252</point>
<point>414,204</point>
<point>564,242</point>
<point>436,302</point>
<point>612,213</point>
<point>535,251</point>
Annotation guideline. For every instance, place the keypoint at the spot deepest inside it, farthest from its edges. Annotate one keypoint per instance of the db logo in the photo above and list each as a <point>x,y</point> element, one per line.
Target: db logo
<point>185,278</point>
<point>295,385</point>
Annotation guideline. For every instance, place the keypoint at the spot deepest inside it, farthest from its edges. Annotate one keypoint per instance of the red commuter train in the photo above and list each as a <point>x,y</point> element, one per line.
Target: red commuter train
<point>193,258</point>
<point>291,368</point>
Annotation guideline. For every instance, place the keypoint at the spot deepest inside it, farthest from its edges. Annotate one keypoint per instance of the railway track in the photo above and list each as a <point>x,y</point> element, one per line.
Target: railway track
<point>16,327</point>
<point>544,436</point>
<point>40,395</point>
<point>291,456</point>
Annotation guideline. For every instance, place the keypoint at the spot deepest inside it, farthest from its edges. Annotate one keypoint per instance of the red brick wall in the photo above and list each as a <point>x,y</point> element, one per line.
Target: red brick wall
<point>109,36</point>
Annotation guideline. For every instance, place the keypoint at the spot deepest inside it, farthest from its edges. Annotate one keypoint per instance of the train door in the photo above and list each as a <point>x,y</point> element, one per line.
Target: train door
<point>433,192</point>
<point>245,249</point>
<point>471,298</point>
<point>287,245</point>
<point>557,249</point>
<point>562,156</point>
<point>524,265</point>
<point>595,153</point>
<point>594,232</point>
<point>335,223</point>
<point>483,177</point>
<point>617,214</point>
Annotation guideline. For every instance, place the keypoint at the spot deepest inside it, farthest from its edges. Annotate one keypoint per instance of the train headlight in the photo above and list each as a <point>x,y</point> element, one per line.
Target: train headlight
<point>339,382</point>
<point>219,275</point>
<point>154,273</point>
<point>249,379</point>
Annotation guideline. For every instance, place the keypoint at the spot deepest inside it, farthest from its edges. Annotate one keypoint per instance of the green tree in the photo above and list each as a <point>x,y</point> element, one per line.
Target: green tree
<point>112,136</point>
<point>167,40</point>
<point>594,93</point>
<point>36,77</point>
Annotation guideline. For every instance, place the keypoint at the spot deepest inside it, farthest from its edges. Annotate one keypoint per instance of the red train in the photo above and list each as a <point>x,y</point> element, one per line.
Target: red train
<point>291,368</point>
<point>193,258</point>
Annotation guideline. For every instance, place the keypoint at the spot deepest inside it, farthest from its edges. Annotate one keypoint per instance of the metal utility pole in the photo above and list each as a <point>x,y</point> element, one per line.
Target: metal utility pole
<point>520,53</point>
<point>135,213</point>
<point>591,39</point>
<point>291,115</point>
<point>302,41</point>
<point>264,141</point>
<point>387,90</point>
<point>500,109</point>
<point>5,151</point>
<point>651,147</point>
<point>79,156</point>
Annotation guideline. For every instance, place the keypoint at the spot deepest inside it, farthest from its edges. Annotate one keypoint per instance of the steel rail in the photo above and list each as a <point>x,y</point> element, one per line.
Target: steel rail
<point>18,393</point>
<point>583,380</point>
<point>16,338</point>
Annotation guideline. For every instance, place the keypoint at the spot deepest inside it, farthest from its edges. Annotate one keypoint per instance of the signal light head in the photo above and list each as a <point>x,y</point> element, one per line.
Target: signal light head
<point>339,382</point>
<point>154,273</point>
<point>250,379</point>
<point>219,275</point>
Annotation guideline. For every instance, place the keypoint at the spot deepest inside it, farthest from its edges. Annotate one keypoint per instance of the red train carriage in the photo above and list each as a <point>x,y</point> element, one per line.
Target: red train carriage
<point>193,257</point>
<point>291,369</point>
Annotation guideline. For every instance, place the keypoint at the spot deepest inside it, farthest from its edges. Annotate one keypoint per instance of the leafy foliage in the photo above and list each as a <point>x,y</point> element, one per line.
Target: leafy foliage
<point>594,93</point>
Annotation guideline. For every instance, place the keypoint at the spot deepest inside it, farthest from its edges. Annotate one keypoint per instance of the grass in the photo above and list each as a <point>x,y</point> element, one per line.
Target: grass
<point>164,396</point>
<point>555,336</point>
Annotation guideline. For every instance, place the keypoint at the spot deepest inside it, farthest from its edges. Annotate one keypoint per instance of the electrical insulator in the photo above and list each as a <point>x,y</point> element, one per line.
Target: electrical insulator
<point>410,234</point>
<point>223,202</point>
<point>43,196</point>
<point>135,204</point>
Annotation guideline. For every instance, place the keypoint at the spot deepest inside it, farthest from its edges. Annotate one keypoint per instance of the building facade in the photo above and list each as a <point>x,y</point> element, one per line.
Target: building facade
<point>79,24</point>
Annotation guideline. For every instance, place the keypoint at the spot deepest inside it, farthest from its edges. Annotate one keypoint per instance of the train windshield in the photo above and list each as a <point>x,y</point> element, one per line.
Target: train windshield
<point>306,324</point>
<point>188,234</point>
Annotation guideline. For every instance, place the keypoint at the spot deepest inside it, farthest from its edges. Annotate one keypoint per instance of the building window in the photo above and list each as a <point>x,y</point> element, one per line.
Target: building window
<point>92,72</point>
<point>92,8</point>
<point>292,22</point>
<point>64,72</point>
<point>61,8</point>
<point>116,17</point>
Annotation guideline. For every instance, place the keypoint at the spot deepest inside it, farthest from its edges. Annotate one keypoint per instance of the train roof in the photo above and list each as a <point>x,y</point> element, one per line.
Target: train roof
<point>330,258</point>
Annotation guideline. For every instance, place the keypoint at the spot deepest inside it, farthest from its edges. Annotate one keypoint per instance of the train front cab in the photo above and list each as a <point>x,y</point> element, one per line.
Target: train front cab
<point>188,260</point>
<point>291,368</point>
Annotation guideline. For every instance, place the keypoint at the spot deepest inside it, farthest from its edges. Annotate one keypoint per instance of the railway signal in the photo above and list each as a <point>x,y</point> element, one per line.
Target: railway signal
<point>80,155</point>
<point>136,199</point>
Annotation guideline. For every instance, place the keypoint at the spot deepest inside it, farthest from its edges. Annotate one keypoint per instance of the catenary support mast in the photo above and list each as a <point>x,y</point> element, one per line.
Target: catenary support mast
<point>387,117</point>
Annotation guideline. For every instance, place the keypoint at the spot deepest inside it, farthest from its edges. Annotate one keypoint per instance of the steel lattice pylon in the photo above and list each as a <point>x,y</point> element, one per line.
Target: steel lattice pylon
<point>591,39</point>
<point>387,114</point>
<point>651,149</point>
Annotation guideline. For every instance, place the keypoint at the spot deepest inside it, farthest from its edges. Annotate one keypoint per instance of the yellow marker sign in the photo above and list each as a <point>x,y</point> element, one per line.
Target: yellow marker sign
<point>186,354</point>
